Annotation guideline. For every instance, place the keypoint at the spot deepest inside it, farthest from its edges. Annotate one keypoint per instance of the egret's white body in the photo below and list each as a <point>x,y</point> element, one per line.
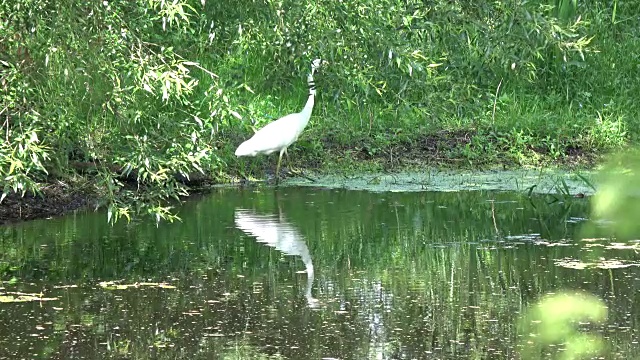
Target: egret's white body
<point>280,134</point>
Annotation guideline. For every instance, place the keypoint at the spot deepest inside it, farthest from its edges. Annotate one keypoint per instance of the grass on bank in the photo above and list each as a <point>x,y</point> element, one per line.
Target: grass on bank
<point>524,130</point>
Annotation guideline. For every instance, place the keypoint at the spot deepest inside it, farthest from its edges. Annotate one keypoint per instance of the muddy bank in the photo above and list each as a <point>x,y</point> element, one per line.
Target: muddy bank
<point>452,149</point>
<point>389,167</point>
<point>56,199</point>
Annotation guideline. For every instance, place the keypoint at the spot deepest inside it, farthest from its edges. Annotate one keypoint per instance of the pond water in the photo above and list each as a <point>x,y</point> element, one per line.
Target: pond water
<point>314,273</point>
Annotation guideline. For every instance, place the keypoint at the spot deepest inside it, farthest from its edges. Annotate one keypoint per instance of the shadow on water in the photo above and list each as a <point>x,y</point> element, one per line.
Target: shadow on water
<point>394,275</point>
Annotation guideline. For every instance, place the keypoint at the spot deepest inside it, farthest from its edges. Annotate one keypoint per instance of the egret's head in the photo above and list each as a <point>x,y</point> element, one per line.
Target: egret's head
<point>316,64</point>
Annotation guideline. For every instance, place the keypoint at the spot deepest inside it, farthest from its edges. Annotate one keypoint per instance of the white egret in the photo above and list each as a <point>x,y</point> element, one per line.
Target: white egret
<point>278,135</point>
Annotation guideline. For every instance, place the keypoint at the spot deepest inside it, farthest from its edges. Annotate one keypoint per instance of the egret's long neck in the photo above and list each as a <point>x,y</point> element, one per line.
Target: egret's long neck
<point>308,107</point>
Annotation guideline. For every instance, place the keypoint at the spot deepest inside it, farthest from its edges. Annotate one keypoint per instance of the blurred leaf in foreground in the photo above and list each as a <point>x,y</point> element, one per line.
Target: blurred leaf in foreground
<point>559,319</point>
<point>616,201</point>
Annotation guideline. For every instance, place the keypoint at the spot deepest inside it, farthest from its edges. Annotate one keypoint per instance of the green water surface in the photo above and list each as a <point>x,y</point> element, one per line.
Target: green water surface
<point>313,273</point>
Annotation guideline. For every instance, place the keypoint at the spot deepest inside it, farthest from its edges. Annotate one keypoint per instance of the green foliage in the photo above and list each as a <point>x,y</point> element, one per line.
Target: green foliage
<point>111,91</point>
<point>420,69</point>
<point>565,9</point>
<point>143,95</point>
<point>22,161</point>
<point>435,61</point>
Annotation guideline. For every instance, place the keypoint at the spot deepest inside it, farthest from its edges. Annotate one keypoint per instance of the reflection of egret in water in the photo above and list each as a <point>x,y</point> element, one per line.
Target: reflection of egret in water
<point>281,235</point>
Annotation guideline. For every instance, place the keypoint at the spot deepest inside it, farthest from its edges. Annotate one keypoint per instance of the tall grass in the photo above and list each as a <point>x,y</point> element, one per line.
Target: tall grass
<point>400,71</point>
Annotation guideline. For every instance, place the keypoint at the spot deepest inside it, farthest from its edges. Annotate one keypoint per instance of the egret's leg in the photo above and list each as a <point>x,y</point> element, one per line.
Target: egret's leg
<point>278,167</point>
<point>295,171</point>
<point>291,169</point>
<point>288,160</point>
